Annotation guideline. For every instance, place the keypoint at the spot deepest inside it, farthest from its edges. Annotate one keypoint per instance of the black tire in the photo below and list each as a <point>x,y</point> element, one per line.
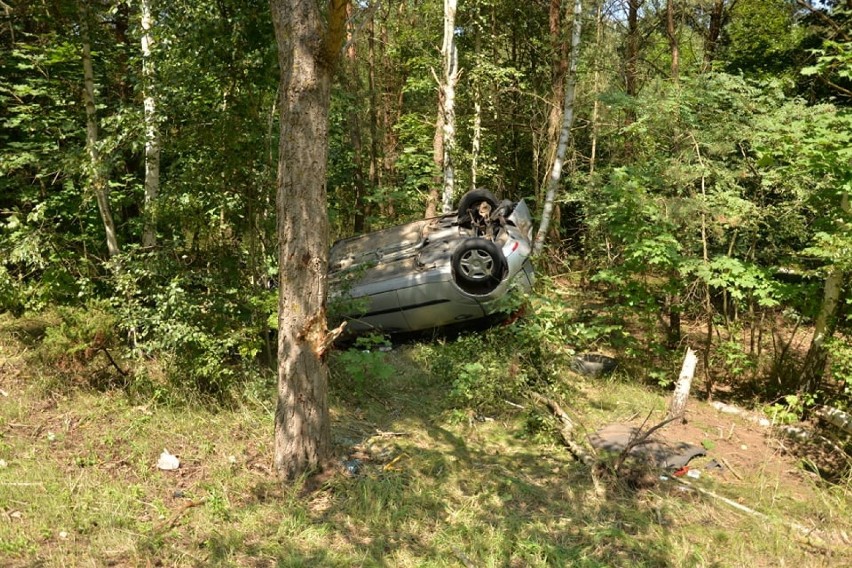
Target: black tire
<point>478,266</point>
<point>469,205</point>
<point>593,364</point>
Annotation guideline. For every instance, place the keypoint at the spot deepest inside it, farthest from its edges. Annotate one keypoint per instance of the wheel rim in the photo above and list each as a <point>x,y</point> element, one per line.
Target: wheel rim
<point>476,264</point>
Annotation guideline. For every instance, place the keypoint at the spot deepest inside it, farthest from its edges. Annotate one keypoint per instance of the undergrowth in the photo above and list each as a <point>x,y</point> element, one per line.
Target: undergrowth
<point>456,463</point>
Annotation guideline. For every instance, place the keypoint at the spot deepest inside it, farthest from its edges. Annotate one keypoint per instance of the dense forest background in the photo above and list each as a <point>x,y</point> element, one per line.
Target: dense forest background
<point>705,195</point>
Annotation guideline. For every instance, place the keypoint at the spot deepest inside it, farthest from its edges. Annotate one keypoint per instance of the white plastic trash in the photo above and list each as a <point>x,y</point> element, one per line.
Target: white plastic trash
<point>167,461</point>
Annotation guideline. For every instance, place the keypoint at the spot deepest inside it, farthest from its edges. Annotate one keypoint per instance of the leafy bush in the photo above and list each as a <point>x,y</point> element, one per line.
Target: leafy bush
<point>73,342</point>
<point>205,326</point>
<point>365,363</point>
<point>506,361</point>
<point>840,364</point>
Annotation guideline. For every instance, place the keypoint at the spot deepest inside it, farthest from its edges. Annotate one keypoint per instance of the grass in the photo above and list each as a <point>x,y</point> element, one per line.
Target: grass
<point>439,486</point>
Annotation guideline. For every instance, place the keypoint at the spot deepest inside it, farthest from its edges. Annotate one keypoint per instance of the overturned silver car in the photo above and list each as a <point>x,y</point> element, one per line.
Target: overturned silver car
<point>434,272</point>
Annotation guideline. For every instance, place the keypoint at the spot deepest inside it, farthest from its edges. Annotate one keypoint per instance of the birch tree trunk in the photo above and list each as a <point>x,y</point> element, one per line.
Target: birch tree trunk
<point>565,134</point>
<point>476,139</point>
<point>449,56</point>
<point>558,69</point>
<point>595,88</point>
<point>308,48</point>
<point>814,365</point>
<point>100,185</point>
<point>152,130</point>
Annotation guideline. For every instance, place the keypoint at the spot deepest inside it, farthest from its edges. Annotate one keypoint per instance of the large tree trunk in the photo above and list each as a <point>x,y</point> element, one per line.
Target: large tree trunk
<point>449,55</point>
<point>565,134</point>
<point>100,185</point>
<point>152,131</point>
<point>307,51</point>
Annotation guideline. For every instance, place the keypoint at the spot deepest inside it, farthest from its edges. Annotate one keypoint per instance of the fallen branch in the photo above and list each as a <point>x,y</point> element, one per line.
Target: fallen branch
<point>111,360</point>
<point>178,514</point>
<point>730,468</point>
<point>555,409</point>
<point>802,530</point>
<point>565,431</point>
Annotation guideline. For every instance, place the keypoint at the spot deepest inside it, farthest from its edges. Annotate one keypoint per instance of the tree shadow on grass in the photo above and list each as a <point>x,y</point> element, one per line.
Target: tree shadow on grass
<point>435,492</point>
<point>479,495</point>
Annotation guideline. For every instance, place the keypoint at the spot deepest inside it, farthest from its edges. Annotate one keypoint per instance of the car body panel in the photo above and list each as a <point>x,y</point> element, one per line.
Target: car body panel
<point>402,278</point>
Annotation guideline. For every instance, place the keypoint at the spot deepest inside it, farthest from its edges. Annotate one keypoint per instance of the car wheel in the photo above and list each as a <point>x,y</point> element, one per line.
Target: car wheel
<point>470,206</point>
<point>478,266</point>
<point>593,364</point>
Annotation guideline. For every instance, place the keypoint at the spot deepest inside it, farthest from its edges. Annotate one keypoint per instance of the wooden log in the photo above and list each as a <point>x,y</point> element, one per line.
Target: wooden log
<point>836,417</point>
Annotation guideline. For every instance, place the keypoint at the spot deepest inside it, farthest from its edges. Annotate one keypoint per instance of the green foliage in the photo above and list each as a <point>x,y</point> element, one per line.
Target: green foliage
<point>480,370</point>
<point>207,326</point>
<point>505,361</point>
<point>365,363</point>
<point>741,280</point>
<point>704,191</point>
<point>789,411</point>
<point>840,365</point>
<point>733,359</point>
<point>74,341</point>
<point>762,37</point>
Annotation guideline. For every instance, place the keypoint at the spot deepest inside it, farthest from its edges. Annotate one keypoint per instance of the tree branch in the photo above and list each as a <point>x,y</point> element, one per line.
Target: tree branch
<point>336,32</point>
<point>822,16</point>
<point>567,426</point>
<point>114,364</point>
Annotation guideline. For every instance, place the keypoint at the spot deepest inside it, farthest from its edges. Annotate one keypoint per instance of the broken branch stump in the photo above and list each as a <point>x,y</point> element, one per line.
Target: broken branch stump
<point>677,406</point>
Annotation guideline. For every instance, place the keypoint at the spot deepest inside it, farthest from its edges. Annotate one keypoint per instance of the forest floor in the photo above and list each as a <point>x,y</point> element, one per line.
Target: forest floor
<point>427,484</point>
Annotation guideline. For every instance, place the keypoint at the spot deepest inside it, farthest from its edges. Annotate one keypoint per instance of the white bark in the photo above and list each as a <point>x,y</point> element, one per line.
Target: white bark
<point>836,417</point>
<point>152,131</point>
<point>815,360</point>
<point>565,133</point>
<point>596,107</point>
<point>476,143</point>
<point>97,176</point>
<point>684,382</point>
<point>449,55</point>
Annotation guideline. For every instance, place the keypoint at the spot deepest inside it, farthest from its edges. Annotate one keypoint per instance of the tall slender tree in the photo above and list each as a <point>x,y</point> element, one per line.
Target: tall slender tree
<point>309,45</point>
<point>152,130</point>
<point>97,171</point>
<point>449,78</point>
<point>565,133</point>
